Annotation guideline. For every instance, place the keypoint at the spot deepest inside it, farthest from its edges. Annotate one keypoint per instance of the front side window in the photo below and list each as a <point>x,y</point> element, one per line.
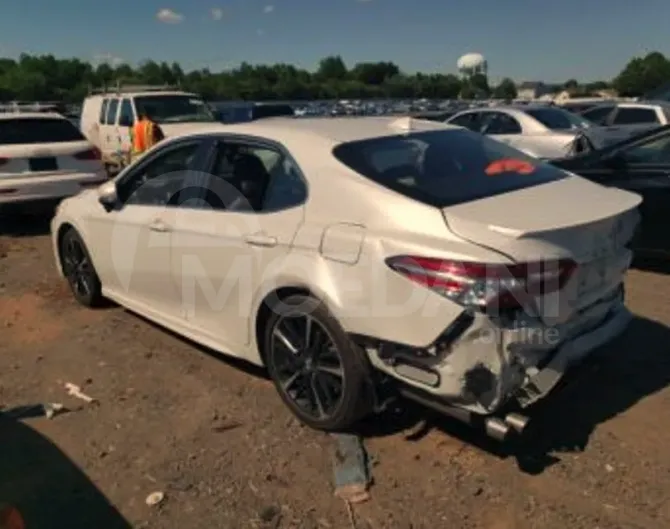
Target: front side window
<point>174,108</point>
<point>126,118</point>
<point>635,116</point>
<point>159,181</point>
<point>444,168</point>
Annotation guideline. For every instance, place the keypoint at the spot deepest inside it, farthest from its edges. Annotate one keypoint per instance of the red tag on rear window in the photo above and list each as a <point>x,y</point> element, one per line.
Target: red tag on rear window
<point>509,165</point>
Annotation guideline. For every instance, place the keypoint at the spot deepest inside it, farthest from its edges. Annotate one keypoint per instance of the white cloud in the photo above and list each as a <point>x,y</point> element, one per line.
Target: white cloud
<point>107,58</point>
<point>268,9</point>
<point>168,16</point>
<point>217,13</point>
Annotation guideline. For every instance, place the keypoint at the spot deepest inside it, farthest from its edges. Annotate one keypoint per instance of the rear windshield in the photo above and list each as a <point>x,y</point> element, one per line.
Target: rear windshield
<point>174,108</point>
<point>558,119</point>
<point>444,168</point>
<point>18,131</point>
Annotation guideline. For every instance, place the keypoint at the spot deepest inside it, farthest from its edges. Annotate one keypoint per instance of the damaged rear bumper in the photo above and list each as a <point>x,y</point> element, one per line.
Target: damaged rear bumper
<point>541,383</point>
<point>478,368</point>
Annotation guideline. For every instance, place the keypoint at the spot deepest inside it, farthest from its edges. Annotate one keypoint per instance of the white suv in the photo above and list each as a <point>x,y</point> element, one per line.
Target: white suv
<point>44,157</point>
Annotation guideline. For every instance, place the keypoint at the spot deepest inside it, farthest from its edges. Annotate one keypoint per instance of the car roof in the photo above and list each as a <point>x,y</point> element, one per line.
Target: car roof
<point>331,130</point>
<point>146,93</point>
<point>31,115</point>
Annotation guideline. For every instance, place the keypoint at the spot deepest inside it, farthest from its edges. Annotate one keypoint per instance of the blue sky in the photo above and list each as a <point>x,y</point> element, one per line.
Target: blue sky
<point>550,40</point>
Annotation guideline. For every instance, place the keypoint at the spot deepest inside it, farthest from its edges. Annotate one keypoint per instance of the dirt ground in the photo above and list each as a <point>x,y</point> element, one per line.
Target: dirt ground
<point>216,440</point>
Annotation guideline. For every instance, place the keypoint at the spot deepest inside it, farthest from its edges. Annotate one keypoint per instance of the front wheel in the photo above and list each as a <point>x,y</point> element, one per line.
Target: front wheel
<point>320,374</point>
<point>79,271</point>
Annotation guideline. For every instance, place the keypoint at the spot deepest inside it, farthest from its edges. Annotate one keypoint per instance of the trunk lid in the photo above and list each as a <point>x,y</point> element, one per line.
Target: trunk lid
<point>571,218</point>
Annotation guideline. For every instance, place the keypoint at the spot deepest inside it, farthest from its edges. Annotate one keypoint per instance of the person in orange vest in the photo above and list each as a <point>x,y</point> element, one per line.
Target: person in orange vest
<point>144,135</point>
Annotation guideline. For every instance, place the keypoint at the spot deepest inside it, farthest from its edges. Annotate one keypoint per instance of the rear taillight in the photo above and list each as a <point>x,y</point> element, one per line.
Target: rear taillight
<point>3,161</point>
<point>484,285</point>
<point>88,154</point>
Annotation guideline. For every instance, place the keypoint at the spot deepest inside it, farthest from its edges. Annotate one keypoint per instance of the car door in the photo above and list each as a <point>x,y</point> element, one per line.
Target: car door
<point>124,125</point>
<point>628,121</point>
<point>132,249</point>
<point>108,128</point>
<point>241,226</point>
<point>644,168</point>
<point>504,128</point>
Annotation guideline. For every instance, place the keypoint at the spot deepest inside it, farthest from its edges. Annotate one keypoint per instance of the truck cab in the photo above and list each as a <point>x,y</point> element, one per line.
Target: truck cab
<point>109,113</point>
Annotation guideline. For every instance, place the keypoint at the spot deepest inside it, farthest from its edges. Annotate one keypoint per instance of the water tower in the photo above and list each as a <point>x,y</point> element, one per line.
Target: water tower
<point>472,64</point>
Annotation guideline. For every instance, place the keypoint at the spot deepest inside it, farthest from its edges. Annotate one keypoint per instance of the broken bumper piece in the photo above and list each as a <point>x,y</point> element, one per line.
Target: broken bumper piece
<point>540,384</point>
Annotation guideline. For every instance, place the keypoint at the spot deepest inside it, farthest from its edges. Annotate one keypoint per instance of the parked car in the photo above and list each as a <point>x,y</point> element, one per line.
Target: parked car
<point>341,253</point>
<point>640,164</point>
<point>541,131</point>
<point>44,157</point>
<point>624,120</point>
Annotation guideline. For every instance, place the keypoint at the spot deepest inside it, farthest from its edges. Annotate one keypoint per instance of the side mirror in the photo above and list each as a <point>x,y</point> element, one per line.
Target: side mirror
<point>107,195</point>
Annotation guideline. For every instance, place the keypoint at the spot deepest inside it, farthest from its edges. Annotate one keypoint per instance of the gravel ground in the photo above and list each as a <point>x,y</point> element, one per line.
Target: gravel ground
<point>215,439</point>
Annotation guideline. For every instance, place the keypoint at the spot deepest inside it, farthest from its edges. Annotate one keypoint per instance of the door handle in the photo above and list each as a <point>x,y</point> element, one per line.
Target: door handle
<point>159,226</point>
<point>261,239</point>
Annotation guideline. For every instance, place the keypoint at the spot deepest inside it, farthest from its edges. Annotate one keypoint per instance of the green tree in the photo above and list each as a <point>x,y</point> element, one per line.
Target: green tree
<point>332,68</point>
<point>505,90</point>
<point>643,74</point>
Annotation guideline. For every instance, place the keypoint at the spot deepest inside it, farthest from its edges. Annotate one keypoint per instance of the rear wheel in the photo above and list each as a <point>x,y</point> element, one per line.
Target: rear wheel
<point>320,374</point>
<point>79,271</point>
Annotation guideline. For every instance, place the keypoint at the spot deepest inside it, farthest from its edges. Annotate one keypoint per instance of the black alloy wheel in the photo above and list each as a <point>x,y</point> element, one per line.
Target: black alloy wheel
<point>319,373</point>
<point>79,271</point>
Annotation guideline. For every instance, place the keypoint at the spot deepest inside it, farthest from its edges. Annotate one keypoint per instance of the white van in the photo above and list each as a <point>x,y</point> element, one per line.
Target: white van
<point>108,114</point>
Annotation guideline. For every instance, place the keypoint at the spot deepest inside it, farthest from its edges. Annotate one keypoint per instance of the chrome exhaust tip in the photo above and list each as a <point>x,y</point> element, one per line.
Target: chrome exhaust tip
<point>496,428</point>
<point>517,422</point>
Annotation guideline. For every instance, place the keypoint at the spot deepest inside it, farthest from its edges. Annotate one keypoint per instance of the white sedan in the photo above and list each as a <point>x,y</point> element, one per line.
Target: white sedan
<point>541,131</point>
<point>44,157</point>
<point>342,252</point>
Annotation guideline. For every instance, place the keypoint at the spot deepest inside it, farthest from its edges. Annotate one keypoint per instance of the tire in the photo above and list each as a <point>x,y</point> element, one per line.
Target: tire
<point>356,395</point>
<point>79,270</point>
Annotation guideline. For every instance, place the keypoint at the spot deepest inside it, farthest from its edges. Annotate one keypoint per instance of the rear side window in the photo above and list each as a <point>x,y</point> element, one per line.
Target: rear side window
<point>634,116</point>
<point>598,114</point>
<point>37,130</point>
<point>103,111</point>
<point>444,168</point>
<point>556,118</point>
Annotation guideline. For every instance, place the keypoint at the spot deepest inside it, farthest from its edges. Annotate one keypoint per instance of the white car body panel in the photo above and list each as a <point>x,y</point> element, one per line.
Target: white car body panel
<point>336,245</point>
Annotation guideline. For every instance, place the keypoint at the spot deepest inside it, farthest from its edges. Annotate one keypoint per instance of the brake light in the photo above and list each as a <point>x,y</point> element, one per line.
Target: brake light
<point>89,154</point>
<point>483,285</point>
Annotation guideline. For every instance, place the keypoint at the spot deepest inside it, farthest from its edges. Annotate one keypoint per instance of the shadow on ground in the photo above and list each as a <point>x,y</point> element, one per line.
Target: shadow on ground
<point>26,223</point>
<point>47,488</point>
<point>615,379</point>
<point>655,264</point>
